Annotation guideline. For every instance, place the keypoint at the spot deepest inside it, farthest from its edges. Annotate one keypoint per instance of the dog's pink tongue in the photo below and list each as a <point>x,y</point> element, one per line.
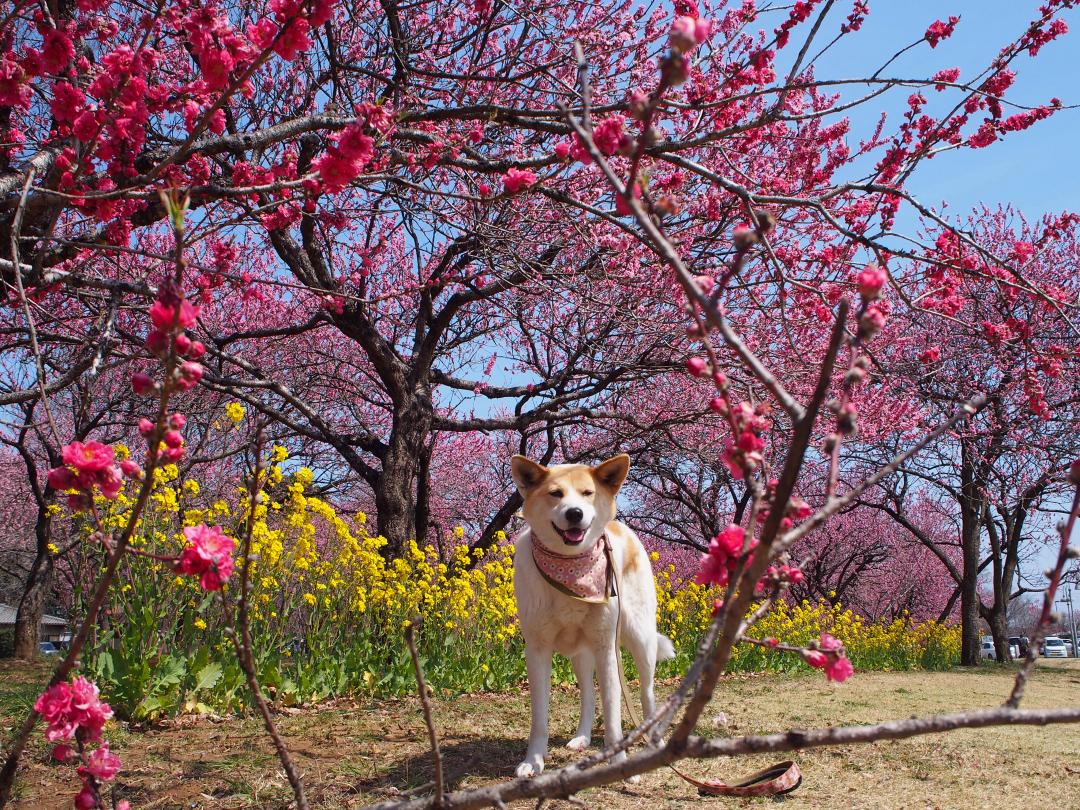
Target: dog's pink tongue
<point>574,536</point>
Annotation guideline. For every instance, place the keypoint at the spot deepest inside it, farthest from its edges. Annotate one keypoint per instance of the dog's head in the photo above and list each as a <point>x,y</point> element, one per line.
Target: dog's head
<point>567,506</point>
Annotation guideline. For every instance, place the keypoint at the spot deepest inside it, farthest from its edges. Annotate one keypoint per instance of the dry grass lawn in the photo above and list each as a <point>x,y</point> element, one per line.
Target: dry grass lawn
<point>357,753</point>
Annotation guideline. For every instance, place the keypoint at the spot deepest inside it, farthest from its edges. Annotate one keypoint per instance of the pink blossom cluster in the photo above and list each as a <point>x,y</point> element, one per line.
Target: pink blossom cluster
<point>517,180</point>
<point>800,12</point>
<point>344,161</point>
<point>744,453</point>
<point>208,556</point>
<point>725,550</point>
<point>73,708</point>
<point>170,315</point>
<point>829,656</point>
<point>287,34</point>
<point>87,465</point>
<point>795,509</point>
<point>939,30</point>
<point>859,10</point>
<point>75,711</point>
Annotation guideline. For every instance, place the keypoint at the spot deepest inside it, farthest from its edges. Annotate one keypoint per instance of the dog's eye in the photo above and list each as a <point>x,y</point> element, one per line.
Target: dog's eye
<point>556,493</point>
<point>586,492</point>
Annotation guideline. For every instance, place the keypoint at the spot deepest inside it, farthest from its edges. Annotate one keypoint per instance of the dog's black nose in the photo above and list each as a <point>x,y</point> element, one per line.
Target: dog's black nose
<point>574,515</point>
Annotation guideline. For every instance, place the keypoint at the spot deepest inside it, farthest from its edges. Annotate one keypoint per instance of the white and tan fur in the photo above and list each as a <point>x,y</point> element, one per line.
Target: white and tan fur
<point>558,500</point>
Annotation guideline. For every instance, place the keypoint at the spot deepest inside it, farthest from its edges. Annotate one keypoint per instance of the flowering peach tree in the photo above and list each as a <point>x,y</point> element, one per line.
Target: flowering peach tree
<point>394,232</point>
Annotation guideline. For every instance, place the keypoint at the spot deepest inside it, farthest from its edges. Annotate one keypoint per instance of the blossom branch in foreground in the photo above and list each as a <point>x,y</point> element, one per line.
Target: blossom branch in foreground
<point>88,467</point>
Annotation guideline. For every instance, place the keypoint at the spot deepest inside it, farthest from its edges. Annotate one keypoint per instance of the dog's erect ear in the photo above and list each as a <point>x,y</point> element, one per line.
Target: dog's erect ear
<point>526,473</point>
<point>612,472</point>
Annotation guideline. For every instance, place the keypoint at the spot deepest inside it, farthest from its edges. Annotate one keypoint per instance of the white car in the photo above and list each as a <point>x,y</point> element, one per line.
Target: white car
<point>1055,648</point>
<point>987,652</point>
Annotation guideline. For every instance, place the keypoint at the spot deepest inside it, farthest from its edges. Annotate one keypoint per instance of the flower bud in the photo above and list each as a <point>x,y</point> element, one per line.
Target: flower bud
<point>870,281</point>
<point>183,343</point>
<point>61,478</point>
<point>697,366</point>
<point>197,350</point>
<point>130,469</point>
<point>141,384</point>
<point>638,105</point>
<point>157,342</point>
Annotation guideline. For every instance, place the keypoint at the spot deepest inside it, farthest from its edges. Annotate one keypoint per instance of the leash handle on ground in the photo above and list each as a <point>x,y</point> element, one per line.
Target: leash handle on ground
<point>776,780</point>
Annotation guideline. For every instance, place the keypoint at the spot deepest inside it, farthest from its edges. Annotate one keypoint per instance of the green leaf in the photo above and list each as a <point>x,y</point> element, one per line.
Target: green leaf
<point>207,677</point>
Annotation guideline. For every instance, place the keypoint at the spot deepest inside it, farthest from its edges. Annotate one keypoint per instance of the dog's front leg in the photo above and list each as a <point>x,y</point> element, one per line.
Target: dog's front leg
<point>608,663</point>
<point>538,664</point>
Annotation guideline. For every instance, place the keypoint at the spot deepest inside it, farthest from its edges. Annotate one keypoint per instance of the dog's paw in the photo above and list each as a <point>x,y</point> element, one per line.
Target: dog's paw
<point>532,766</point>
<point>579,743</point>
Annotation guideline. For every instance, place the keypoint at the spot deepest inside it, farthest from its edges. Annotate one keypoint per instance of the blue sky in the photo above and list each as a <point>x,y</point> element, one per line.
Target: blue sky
<point>1037,170</point>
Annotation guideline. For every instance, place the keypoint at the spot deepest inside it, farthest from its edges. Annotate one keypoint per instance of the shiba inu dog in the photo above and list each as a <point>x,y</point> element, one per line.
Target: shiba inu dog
<point>583,584</point>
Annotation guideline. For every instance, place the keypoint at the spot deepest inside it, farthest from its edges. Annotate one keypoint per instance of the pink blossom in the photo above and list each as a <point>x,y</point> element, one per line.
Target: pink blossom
<point>141,383</point>
<point>183,314</point>
<point>67,103</point>
<point>517,180</point>
<point>208,556</point>
<point>839,669</point>
<point>14,92</point>
<point>157,342</point>
<point>190,374</point>
<point>696,366</point>
<point>939,30</point>
<point>58,50</point>
<point>944,77</point>
<point>688,32</point>
<point>88,457</point>
<point>130,469</point>
<point>61,478</point>
<point>725,550</point>
<point>870,281</point>
<point>101,764</point>
<point>86,799</point>
<point>67,707</point>
<point>608,135</point>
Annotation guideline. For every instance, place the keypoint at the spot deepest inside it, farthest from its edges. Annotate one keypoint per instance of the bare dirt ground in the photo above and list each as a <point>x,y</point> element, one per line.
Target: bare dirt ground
<point>356,753</point>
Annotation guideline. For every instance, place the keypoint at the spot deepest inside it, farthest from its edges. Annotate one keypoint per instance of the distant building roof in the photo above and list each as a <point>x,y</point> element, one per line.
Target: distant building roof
<point>8,614</point>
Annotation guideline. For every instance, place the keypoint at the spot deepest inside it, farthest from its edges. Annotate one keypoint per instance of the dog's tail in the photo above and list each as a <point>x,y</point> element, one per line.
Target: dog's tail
<point>664,648</point>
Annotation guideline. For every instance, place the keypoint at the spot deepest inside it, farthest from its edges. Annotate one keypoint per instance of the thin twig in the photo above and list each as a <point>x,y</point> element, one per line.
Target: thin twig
<point>242,641</point>
<point>425,702</point>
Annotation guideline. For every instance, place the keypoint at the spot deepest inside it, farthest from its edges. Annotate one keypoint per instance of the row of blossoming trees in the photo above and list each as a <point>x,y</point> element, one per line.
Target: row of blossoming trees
<point>411,240</point>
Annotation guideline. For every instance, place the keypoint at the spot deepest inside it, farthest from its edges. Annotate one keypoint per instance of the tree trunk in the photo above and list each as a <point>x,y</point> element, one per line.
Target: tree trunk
<point>395,494</point>
<point>32,606</point>
<point>38,580</point>
<point>999,629</point>
<point>971,515</point>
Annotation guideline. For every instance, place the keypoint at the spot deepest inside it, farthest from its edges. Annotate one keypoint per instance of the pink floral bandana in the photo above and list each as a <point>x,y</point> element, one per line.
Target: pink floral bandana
<point>585,576</point>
